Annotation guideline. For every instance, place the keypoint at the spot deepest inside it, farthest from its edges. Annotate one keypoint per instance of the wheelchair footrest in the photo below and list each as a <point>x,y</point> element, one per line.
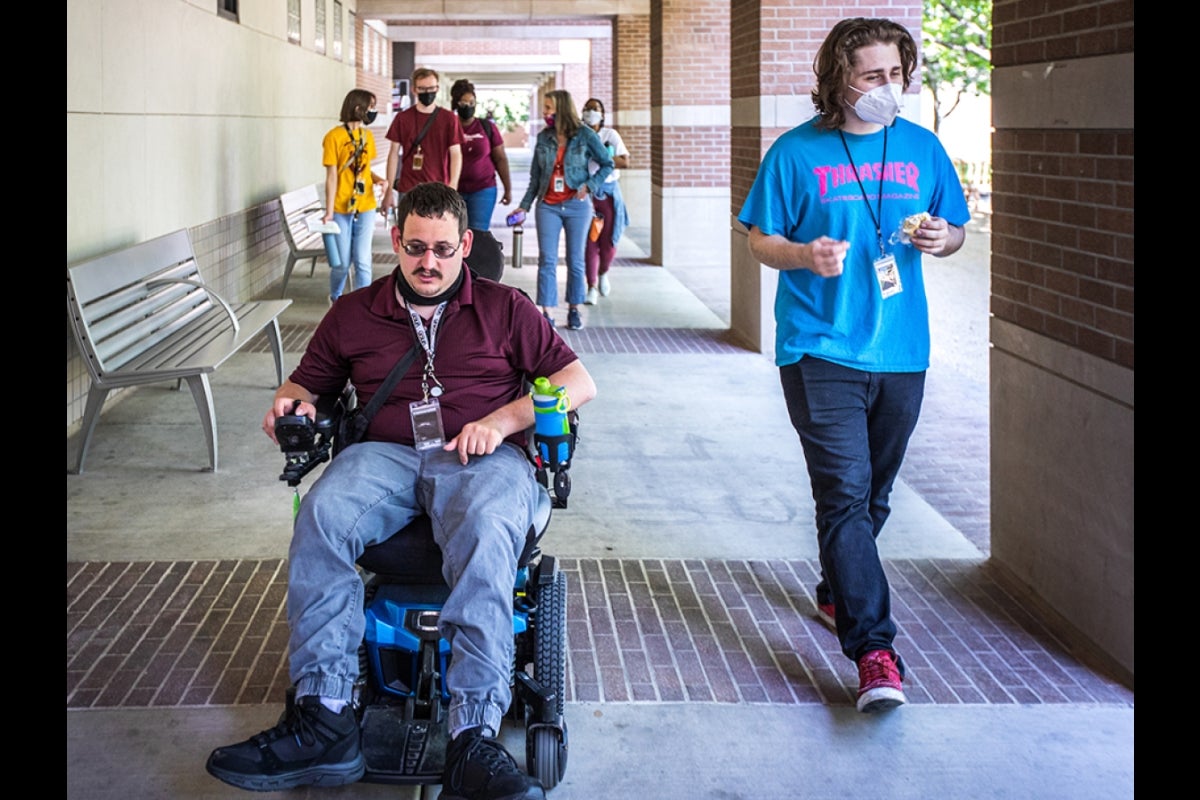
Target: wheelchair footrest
<point>400,750</point>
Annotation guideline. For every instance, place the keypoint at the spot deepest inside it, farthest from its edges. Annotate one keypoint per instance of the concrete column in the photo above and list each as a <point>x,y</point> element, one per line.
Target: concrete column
<point>689,102</point>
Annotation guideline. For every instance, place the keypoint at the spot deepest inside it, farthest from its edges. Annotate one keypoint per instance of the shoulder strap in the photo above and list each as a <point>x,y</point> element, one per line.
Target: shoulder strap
<point>425,130</point>
<point>389,383</point>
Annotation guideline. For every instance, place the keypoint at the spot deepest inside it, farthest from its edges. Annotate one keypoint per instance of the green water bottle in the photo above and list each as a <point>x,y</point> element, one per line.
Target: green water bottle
<point>552,429</point>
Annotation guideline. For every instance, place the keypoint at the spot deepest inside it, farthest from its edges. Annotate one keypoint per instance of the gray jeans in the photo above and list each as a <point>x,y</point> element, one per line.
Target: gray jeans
<point>480,516</point>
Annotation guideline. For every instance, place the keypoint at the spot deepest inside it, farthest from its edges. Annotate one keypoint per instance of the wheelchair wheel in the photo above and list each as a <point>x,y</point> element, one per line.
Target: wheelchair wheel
<point>546,746</point>
<point>547,753</point>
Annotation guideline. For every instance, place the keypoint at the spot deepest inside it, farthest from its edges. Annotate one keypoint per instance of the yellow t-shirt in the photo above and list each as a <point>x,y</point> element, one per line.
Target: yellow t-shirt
<point>338,150</point>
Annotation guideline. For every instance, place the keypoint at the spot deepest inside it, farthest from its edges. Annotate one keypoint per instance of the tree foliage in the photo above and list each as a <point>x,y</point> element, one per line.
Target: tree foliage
<point>956,52</point>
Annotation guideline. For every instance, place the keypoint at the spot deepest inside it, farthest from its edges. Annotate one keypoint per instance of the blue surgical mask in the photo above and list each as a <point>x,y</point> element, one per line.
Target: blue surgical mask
<point>881,105</point>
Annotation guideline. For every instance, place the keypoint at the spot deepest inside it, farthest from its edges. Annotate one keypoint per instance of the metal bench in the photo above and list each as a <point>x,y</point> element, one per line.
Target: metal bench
<point>144,315</point>
<point>296,208</point>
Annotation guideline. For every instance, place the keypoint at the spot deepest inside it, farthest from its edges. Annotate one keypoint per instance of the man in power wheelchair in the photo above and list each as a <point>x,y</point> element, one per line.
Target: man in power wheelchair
<point>447,445</point>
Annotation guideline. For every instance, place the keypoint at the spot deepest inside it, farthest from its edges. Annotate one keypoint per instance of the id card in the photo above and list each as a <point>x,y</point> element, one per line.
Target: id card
<point>427,424</point>
<point>888,275</point>
<point>560,185</point>
<point>418,159</point>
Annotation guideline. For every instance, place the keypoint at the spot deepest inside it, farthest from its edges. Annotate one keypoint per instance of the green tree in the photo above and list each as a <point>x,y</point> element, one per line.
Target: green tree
<point>956,52</point>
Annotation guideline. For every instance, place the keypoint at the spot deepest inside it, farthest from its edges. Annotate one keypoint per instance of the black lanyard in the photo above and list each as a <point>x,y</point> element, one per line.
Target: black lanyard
<point>877,219</point>
<point>355,161</point>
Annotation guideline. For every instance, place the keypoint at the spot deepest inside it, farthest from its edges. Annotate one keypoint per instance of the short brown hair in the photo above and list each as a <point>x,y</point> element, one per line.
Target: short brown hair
<point>432,200</point>
<point>423,72</point>
<point>356,105</point>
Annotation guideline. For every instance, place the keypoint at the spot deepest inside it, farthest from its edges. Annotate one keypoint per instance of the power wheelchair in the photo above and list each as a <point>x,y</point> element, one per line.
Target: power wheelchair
<point>400,699</point>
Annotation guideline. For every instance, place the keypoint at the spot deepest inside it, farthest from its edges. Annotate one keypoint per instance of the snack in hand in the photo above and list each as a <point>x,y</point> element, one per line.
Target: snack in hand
<point>912,223</point>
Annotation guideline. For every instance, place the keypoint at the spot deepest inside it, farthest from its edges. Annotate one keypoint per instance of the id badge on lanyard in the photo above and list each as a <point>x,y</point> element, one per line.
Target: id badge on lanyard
<point>888,275</point>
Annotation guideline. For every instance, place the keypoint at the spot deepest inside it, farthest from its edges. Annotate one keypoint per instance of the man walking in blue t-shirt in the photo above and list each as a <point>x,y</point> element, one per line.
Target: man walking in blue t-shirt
<point>844,206</point>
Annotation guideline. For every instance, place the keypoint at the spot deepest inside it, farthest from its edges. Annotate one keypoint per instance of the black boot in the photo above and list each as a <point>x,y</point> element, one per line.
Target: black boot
<point>311,745</point>
<point>479,768</point>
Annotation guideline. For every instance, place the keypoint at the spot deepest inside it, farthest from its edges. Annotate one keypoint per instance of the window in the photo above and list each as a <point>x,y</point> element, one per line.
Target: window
<point>293,22</point>
<point>319,21</point>
<point>228,9</point>
<point>351,46</point>
<point>337,29</point>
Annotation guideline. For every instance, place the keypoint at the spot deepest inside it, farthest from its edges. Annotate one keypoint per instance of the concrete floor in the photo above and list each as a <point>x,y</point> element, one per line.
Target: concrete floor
<point>708,477</point>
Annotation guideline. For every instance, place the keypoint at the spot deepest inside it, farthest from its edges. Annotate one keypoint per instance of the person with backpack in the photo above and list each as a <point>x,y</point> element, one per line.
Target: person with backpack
<point>483,159</point>
<point>425,142</point>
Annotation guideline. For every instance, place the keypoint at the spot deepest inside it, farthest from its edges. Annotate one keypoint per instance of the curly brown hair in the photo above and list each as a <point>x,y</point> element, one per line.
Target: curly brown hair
<point>461,86</point>
<point>835,60</point>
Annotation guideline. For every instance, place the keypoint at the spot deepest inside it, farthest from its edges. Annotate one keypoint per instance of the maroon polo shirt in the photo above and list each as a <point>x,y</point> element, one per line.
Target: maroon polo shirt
<point>490,340</point>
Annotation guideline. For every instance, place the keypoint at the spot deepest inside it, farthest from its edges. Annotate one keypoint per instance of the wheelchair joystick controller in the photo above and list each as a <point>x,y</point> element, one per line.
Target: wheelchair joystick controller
<point>305,444</point>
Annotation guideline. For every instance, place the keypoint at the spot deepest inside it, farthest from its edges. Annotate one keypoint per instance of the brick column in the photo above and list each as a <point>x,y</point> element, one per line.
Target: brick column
<point>1061,364</point>
<point>628,111</point>
<point>689,102</point>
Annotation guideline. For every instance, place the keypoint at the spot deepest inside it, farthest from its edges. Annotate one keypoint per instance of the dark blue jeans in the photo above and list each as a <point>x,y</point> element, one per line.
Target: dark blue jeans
<point>854,427</point>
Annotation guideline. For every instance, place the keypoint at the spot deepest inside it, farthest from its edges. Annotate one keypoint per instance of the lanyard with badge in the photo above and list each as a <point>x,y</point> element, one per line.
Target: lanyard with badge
<point>886,271</point>
<point>355,164</point>
<point>428,431</point>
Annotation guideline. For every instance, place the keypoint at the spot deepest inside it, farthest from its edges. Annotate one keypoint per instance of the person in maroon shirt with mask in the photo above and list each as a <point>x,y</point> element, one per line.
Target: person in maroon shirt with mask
<point>478,342</point>
<point>426,142</point>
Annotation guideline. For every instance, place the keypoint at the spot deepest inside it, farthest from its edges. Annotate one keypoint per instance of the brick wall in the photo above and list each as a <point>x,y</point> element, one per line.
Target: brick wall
<point>600,74</point>
<point>773,43</point>
<point>373,60</point>
<point>1062,224</point>
<point>631,81</point>
<point>689,53</point>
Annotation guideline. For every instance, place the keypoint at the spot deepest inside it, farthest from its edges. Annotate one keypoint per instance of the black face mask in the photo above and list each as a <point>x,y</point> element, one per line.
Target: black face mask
<point>410,294</point>
<point>465,112</point>
<point>426,98</point>
<point>370,118</point>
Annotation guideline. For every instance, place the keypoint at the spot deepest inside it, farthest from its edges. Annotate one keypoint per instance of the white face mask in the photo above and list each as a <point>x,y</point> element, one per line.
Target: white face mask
<point>592,117</point>
<point>880,105</point>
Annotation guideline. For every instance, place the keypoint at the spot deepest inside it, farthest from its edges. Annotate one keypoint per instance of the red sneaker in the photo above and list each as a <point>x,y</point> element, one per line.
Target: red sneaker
<point>827,616</point>
<point>880,687</point>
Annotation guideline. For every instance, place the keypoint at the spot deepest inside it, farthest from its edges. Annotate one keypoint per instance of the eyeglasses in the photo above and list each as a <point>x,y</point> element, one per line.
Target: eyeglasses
<point>441,250</point>
<point>423,89</point>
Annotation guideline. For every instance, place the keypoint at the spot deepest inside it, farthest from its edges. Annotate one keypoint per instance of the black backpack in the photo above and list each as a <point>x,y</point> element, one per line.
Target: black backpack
<point>487,255</point>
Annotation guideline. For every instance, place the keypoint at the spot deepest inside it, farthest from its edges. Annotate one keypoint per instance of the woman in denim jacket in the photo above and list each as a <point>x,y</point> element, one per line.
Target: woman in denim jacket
<point>559,180</point>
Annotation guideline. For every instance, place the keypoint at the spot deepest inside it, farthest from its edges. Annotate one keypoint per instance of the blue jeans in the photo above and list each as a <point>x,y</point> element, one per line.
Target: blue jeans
<point>574,217</point>
<point>480,516</point>
<point>854,427</point>
<point>480,206</point>
<point>354,244</point>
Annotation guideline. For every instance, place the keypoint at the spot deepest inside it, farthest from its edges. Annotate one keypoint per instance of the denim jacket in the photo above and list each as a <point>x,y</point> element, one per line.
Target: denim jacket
<point>585,145</point>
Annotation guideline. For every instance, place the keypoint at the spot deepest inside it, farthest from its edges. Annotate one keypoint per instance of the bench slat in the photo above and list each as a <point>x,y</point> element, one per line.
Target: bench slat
<point>207,342</point>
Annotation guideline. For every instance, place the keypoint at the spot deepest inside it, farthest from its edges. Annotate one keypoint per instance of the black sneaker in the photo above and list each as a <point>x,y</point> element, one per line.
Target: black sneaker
<point>311,745</point>
<point>574,320</point>
<point>479,768</point>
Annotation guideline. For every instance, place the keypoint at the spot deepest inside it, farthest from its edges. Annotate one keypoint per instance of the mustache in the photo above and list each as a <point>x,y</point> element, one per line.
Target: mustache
<point>426,272</point>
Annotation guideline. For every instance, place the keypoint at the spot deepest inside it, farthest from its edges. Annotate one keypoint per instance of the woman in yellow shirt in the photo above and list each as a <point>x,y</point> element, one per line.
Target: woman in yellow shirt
<point>347,153</point>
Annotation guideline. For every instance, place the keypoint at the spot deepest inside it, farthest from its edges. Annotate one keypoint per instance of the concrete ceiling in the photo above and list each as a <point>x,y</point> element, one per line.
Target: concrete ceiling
<point>567,21</point>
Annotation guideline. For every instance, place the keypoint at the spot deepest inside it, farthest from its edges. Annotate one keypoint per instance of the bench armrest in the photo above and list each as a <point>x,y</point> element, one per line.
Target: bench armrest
<point>221,300</point>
